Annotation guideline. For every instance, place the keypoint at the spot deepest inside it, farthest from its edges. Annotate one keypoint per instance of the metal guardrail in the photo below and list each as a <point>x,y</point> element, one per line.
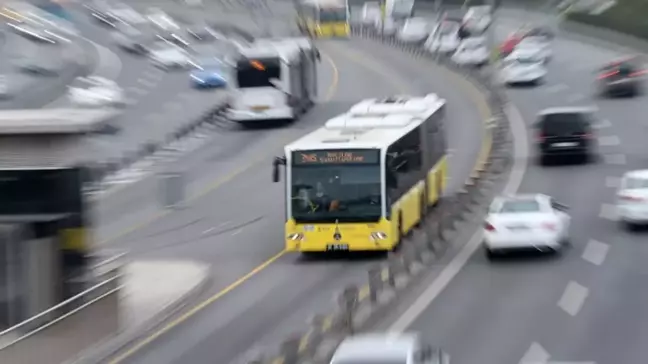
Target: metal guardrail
<point>63,331</point>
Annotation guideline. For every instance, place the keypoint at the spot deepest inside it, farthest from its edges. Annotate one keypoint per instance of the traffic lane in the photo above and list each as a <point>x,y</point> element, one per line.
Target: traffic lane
<point>277,301</point>
<point>493,312</point>
<point>464,120</point>
<point>231,148</point>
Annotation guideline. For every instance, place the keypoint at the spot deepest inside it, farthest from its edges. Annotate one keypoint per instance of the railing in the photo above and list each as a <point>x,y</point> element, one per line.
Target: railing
<point>61,332</point>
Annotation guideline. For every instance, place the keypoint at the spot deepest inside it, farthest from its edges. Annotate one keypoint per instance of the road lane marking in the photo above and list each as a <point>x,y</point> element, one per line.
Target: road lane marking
<point>601,124</point>
<point>616,159</point>
<point>517,178</point>
<point>573,298</point>
<point>184,317</point>
<point>612,181</point>
<point>555,88</point>
<point>595,252</point>
<point>237,232</point>
<point>520,163</point>
<point>209,230</point>
<point>608,212</point>
<point>536,354</point>
<point>575,97</point>
<point>609,141</point>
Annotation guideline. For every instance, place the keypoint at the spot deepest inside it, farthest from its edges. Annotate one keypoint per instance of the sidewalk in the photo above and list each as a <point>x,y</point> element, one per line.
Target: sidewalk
<point>153,292</point>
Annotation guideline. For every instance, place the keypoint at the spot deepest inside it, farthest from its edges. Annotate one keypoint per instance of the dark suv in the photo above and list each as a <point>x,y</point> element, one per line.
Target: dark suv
<point>565,132</point>
<point>620,78</point>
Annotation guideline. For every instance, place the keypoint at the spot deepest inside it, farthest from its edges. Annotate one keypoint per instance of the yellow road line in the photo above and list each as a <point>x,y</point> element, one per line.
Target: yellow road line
<point>134,349</point>
<point>362,60</point>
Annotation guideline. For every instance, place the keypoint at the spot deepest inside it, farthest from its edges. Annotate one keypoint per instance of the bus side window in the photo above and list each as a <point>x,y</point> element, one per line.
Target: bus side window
<point>411,144</point>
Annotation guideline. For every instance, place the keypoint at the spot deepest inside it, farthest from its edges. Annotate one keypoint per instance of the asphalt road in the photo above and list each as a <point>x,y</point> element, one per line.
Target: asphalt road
<point>587,305</point>
<point>239,223</point>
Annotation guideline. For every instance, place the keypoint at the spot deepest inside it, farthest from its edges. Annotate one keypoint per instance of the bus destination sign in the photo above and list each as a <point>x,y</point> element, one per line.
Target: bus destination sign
<point>357,156</point>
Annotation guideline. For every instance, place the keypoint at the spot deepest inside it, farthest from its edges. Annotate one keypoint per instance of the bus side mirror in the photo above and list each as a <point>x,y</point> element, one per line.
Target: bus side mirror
<point>318,55</point>
<point>278,161</point>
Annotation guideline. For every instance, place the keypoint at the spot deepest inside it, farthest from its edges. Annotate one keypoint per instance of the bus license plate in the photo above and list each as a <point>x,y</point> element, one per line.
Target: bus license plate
<point>337,247</point>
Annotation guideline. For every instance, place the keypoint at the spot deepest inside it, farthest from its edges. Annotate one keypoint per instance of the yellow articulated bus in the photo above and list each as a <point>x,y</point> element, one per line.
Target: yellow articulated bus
<point>324,18</point>
<point>367,177</point>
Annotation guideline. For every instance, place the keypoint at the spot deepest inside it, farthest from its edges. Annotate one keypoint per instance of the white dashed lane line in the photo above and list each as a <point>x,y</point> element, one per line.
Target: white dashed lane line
<point>555,88</point>
<point>612,181</point>
<point>616,159</point>
<point>573,298</point>
<point>595,252</point>
<point>608,212</point>
<point>609,140</point>
<point>536,354</point>
<point>146,83</point>
<point>602,124</point>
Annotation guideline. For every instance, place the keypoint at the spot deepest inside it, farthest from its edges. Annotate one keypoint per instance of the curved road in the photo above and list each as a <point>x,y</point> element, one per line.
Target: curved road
<point>235,221</point>
<point>587,305</point>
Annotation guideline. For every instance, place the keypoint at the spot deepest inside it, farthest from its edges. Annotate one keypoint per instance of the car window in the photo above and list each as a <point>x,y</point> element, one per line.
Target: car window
<point>520,206</point>
<point>635,183</point>
<point>566,123</point>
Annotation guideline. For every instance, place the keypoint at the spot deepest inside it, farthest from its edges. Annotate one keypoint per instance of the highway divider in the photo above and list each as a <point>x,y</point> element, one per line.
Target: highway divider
<point>359,306</point>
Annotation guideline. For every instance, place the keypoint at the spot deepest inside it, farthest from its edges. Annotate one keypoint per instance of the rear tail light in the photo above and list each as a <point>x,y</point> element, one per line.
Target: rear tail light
<point>549,226</point>
<point>587,136</point>
<point>540,137</point>
<point>630,198</point>
<point>607,75</point>
<point>489,227</point>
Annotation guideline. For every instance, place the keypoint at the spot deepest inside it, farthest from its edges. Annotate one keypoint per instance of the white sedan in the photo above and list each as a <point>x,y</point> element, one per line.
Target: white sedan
<point>632,198</point>
<point>536,45</point>
<point>533,221</point>
<point>522,68</point>
<point>444,38</point>
<point>167,56</point>
<point>472,52</point>
<point>415,30</point>
<point>95,91</point>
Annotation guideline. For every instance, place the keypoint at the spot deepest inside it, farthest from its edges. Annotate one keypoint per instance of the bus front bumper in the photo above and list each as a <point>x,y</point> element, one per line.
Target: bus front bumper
<point>312,247</point>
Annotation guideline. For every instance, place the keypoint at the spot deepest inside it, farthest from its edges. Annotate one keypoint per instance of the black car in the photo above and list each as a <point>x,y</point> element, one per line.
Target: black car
<point>565,132</point>
<point>620,78</point>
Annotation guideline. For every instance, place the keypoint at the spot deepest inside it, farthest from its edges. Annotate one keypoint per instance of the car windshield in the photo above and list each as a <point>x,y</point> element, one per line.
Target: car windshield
<point>519,206</point>
<point>636,183</point>
<point>339,191</point>
<point>567,123</point>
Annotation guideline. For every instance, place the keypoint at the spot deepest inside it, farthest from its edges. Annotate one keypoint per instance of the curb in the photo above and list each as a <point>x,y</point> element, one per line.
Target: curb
<point>359,305</point>
<point>110,347</point>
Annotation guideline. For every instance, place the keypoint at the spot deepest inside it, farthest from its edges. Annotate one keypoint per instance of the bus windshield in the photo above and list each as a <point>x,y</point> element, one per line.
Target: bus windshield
<point>257,73</point>
<point>346,192</point>
<point>332,15</point>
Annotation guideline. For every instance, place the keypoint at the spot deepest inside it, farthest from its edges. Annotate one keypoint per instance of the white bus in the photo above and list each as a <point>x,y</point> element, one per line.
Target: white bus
<point>274,79</point>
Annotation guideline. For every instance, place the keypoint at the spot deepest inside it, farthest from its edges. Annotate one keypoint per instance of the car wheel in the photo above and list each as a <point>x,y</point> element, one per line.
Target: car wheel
<point>490,254</point>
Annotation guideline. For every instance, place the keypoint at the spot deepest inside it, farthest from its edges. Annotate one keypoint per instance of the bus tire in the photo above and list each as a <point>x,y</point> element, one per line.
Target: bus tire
<point>424,206</point>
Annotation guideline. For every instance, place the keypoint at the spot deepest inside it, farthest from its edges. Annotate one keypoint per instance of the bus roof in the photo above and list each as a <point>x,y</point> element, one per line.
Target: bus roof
<point>371,129</point>
<point>283,48</point>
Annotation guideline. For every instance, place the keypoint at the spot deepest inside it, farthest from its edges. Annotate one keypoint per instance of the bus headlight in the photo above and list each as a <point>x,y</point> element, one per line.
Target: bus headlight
<point>296,237</point>
<point>378,236</point>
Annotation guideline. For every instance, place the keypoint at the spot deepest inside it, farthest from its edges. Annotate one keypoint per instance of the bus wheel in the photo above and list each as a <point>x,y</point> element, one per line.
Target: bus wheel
<point>424,208</point>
